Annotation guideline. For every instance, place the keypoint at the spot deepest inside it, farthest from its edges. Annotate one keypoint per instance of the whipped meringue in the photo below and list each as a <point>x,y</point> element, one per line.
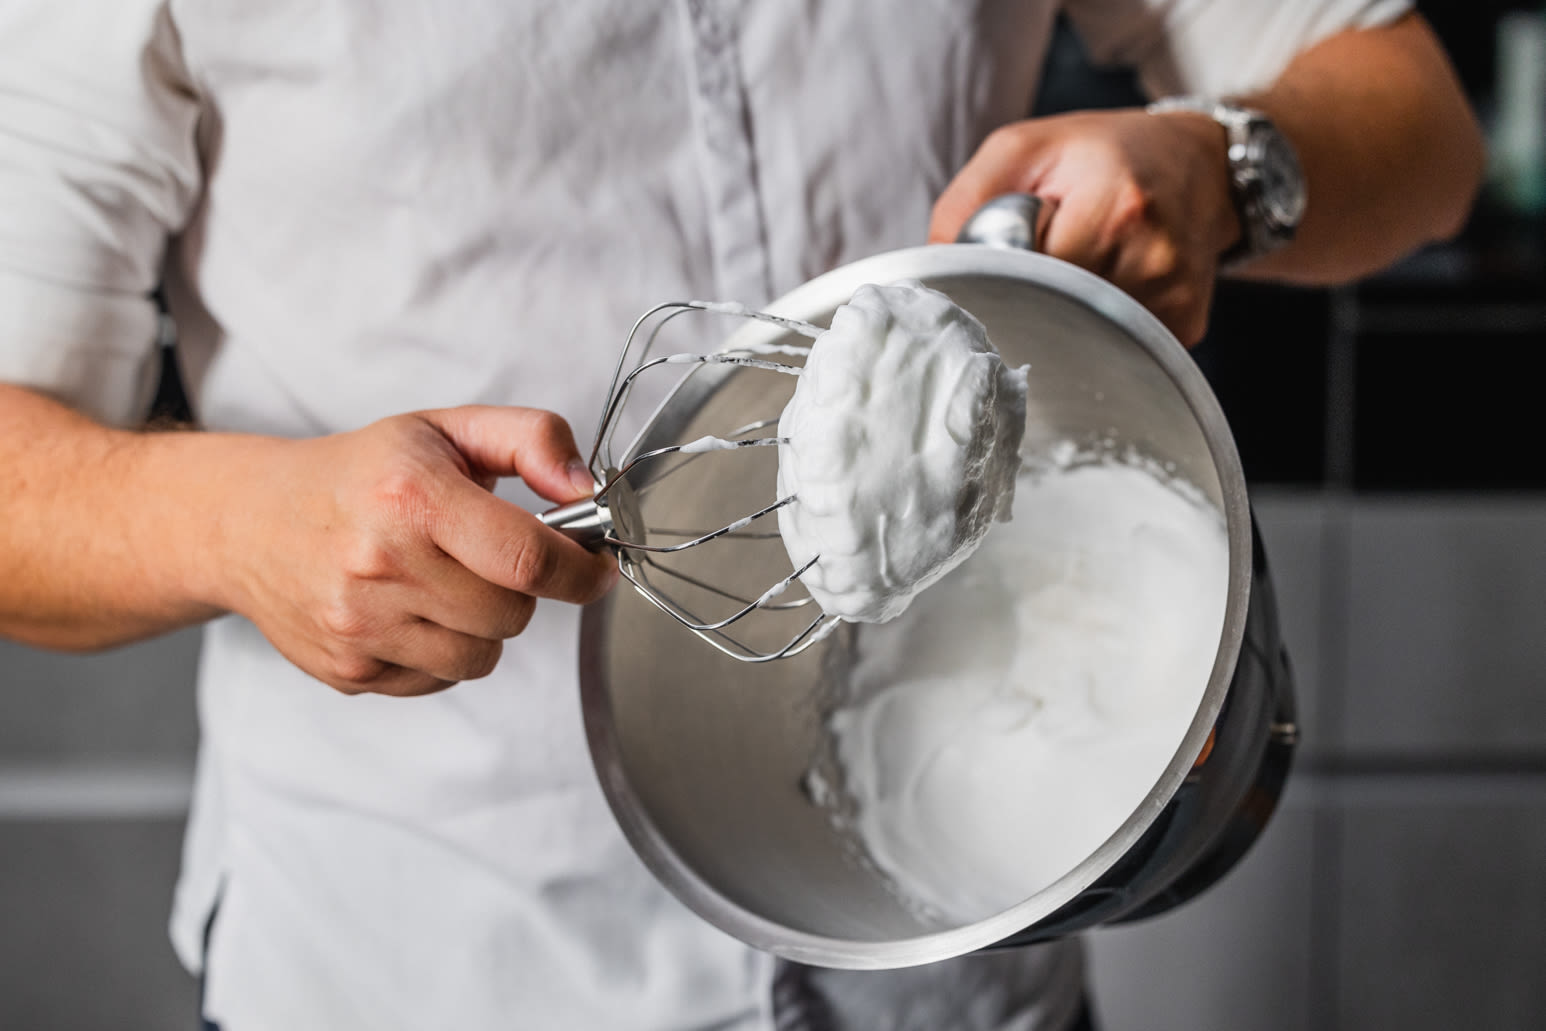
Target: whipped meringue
<point>902,442</point>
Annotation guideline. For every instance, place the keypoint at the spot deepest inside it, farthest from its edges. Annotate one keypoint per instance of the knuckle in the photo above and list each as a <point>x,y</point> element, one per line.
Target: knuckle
<point>399,489</point>
<point>1162,261</point>
<point>345,621</point>
<point>1185,300</point>
<point>532,563</point>
<point>369,558</point>
<point>358,671</point>
<point>481,660</point>
<point>549,425</point>
<point>518,615</point>
<point>411,686</point>
<point>1006,140</point>
<point>1132,207</point>
<point>421,686</point>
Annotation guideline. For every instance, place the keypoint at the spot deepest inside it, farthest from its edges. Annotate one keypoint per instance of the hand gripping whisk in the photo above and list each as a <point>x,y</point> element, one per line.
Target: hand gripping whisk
<point>690,572</point>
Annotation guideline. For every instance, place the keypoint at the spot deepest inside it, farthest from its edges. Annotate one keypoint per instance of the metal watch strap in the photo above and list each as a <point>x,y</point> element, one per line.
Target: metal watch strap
<point>1256,235</point>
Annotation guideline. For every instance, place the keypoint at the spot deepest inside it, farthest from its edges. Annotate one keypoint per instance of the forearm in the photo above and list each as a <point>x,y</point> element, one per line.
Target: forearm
<point>106,536</point>
<point>1391,151</point>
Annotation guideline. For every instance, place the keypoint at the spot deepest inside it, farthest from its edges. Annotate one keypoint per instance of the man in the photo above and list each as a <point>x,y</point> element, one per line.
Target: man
<point>362,210</point>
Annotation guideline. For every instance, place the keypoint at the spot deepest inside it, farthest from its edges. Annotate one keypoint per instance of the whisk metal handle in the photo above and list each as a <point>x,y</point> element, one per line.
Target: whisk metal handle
<point>1010,220</point>
<point>584,522</point>
<point>596,522</point>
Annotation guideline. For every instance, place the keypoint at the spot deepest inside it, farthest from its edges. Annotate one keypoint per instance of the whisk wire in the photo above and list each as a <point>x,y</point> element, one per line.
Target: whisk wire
<point>677,467</point>
<point>675,449</point>
<point>638,557</point>
<point>815,631</point>
<point>713,588</point>
<point>728,528</point>
<point>621,386</point>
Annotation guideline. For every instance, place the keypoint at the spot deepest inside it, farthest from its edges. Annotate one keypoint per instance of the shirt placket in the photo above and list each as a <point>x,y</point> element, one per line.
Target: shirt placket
<point>726,158</point>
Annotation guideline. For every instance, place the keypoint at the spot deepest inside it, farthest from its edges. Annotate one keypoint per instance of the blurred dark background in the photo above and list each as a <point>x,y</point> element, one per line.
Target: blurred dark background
<point>1390,432</point>
<point>1412,380</point>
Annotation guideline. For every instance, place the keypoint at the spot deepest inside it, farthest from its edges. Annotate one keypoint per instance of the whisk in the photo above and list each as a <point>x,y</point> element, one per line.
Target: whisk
<point>613,518</point>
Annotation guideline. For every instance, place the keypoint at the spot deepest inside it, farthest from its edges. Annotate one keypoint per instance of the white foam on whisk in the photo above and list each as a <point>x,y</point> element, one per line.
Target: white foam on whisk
<point>702,444</point>
<point>722,307</point>
<point>773,592</point>
<point>755,348</point>
<point>737,308</point>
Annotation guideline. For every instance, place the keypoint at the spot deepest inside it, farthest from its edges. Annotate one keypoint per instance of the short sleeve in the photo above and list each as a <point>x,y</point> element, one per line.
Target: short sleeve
<point>1216,47</point>
<point>98,167</point>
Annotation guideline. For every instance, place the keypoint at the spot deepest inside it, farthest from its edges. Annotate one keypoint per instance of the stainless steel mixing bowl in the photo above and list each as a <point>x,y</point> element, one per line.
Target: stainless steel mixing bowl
<point>703,758</point>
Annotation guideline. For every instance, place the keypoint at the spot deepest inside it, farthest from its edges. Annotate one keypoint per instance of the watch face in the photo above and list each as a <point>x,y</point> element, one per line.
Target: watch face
<point>1282,183</point>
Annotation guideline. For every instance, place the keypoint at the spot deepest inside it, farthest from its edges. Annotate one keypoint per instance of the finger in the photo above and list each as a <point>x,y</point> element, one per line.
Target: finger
<point>1004,163</point>
<point>401,682</point>
<point>1148,262</point>
<point>465,602</point>
<point>508,546</point>
<point>360,674</point>
<point>1172,283</point>
<point>437,652</point>
<point>1184,309</point>
<point>536,445</point>
<point>1148,269</point>
<point>1076,232</point>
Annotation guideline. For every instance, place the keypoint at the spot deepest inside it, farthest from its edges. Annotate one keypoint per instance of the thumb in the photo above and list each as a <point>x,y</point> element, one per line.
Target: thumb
<point>536,445</point>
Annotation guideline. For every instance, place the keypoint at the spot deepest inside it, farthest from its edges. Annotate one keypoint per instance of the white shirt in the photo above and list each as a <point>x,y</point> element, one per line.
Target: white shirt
<point>361,208</point>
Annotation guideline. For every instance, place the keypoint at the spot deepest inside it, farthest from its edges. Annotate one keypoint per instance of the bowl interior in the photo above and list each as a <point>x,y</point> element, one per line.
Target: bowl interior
<point>706,760</point>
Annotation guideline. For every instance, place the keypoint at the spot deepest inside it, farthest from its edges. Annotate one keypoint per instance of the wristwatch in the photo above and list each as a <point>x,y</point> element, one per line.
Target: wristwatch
<point>1265,179</point>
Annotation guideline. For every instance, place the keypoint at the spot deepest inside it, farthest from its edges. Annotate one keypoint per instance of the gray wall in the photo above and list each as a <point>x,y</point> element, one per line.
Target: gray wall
<point>96,759</point>
<point>1402,885</point>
